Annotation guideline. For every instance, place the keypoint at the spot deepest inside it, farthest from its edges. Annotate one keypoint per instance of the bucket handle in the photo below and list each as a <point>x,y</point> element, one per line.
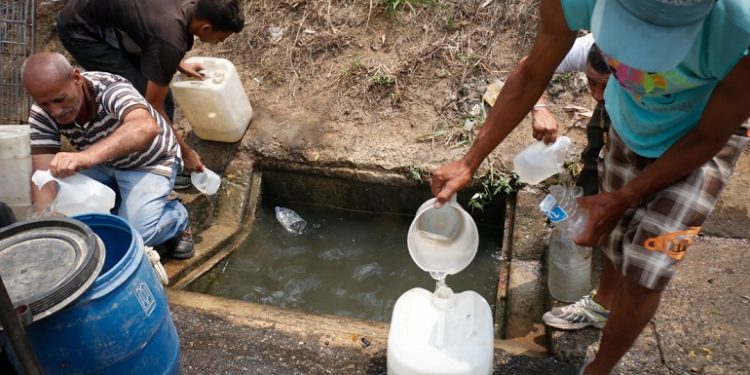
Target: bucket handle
<point>155,259</point>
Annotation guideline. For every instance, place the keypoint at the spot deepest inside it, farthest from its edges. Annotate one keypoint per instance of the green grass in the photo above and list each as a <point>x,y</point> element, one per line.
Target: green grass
<point>383,79</point>
<point>393,6</point>
<point>415,173</point>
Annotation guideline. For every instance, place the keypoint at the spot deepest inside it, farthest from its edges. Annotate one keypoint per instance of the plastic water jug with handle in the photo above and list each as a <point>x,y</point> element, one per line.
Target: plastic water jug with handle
<point>77,194</point>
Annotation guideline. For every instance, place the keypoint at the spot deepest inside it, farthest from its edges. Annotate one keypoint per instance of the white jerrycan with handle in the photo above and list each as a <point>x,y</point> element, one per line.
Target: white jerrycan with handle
<point>539,161</point>
<point>216,107</point>
<point>77,194</point>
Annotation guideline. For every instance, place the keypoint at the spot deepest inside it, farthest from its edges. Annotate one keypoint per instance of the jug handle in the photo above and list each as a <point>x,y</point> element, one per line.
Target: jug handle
<point>453,199</point>
<point>42,177</point>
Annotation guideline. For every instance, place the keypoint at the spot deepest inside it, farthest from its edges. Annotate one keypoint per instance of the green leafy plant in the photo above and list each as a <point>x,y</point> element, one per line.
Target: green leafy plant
<point>416,172</point>
<point>354,67</point>
<point>392,6</point>
<point>465,58</point>
<point>383,79</point>
<point>491,184</point>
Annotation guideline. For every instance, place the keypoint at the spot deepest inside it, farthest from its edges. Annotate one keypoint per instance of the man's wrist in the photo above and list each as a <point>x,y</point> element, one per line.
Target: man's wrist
<point>630,196</point>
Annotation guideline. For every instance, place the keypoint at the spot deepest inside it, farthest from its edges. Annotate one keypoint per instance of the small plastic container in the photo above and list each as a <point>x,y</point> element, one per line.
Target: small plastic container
<point>207,182</point>
<point>539,161</point>
<point>77,194</point>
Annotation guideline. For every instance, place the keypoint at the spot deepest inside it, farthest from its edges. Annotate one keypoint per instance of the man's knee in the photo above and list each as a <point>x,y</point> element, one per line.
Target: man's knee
<point>637,297</point>
<point>147,227</point>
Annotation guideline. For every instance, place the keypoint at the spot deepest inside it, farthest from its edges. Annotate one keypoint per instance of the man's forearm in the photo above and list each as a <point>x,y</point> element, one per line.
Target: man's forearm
<point>136,132</point>
<point>520,93</point>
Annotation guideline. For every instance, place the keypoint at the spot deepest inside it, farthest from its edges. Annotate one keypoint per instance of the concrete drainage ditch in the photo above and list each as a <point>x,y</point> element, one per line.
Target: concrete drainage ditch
<point>513,249</point>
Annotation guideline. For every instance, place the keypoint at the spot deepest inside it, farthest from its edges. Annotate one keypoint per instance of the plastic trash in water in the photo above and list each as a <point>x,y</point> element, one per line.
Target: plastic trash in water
<point>77,194</point>
<point>207,182</point>
<point>291,221</point>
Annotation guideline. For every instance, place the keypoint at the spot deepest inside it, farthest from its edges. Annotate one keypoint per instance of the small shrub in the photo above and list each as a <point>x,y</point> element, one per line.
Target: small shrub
<point>383,79</point>
<point>491,184</point>
<point>392,6</point>
<point>415,173</point>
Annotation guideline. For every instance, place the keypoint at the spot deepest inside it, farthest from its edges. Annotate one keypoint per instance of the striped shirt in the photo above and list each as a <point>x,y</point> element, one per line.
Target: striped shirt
<point>113,97</point>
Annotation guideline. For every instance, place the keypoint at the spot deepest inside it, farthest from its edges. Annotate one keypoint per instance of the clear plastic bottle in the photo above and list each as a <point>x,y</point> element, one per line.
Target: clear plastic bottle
<point>291,221</point>
<point>568,268</point>
<point>561,207</point>
<point>569,264</point>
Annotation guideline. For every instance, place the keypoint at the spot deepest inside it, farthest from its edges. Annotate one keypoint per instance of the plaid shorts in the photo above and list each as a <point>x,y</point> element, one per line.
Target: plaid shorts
<point>650,240</point>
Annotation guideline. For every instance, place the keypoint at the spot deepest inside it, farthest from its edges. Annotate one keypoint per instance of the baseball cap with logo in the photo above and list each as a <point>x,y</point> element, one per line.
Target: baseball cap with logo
<point>649,35</point>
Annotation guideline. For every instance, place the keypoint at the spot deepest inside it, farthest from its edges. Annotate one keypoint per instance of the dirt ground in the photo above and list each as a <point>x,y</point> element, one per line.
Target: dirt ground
<point>350,84</point>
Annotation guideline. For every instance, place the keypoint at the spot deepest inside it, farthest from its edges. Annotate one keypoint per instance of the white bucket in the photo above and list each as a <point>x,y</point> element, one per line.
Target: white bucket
<point>15,168</point>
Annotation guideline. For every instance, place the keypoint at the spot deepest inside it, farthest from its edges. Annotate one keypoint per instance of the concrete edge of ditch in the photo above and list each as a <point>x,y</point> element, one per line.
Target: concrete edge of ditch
<point>526,289</point>
<point>234,206</point>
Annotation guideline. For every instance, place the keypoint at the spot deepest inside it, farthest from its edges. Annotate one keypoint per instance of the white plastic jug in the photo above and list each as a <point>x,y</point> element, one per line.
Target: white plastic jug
<point>216,107</point>
<point>15,168</point>
<point>429,338</point>
<point>442,240</point>
<point>539,161</point>
<point>77,194</point>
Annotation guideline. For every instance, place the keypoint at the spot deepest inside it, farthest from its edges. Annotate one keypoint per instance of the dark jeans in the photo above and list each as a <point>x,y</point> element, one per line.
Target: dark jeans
<point>6,215</point>
<point>596,131</point>
<point>96,54</point>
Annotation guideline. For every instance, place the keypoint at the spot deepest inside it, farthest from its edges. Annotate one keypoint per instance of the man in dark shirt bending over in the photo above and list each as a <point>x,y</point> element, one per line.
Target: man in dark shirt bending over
<point>145,41</point>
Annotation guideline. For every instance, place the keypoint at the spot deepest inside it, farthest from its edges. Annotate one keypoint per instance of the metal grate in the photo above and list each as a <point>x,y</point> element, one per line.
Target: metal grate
<point>16,43</point>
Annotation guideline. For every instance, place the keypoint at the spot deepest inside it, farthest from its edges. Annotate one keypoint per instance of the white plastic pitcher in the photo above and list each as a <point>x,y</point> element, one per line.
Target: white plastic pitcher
<point>442,240</point>
<point>77,194</point>
<point>539,161</point>
<point>15,168</point>
<point>216,107</point>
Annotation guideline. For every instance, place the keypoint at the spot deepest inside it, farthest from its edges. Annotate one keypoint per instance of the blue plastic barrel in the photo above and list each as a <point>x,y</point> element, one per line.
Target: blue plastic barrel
<point>121,325</point>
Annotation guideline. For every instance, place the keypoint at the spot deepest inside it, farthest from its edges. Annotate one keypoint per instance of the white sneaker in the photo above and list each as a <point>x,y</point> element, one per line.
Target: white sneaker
<point>584,313</point>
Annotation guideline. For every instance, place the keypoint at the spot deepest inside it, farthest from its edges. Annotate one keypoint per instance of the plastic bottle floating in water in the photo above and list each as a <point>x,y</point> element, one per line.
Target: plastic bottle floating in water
<point>291,221</point>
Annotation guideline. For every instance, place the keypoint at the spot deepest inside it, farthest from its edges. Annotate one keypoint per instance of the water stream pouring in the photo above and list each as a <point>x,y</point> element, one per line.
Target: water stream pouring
<point>441,332</point>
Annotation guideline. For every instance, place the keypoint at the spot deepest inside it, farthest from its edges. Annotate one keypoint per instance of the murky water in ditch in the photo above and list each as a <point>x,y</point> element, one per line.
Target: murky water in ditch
<point>345,263</point>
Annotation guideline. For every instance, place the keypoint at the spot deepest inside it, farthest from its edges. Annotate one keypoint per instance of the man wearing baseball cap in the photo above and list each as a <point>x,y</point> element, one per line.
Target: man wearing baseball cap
<point>677,100</point>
